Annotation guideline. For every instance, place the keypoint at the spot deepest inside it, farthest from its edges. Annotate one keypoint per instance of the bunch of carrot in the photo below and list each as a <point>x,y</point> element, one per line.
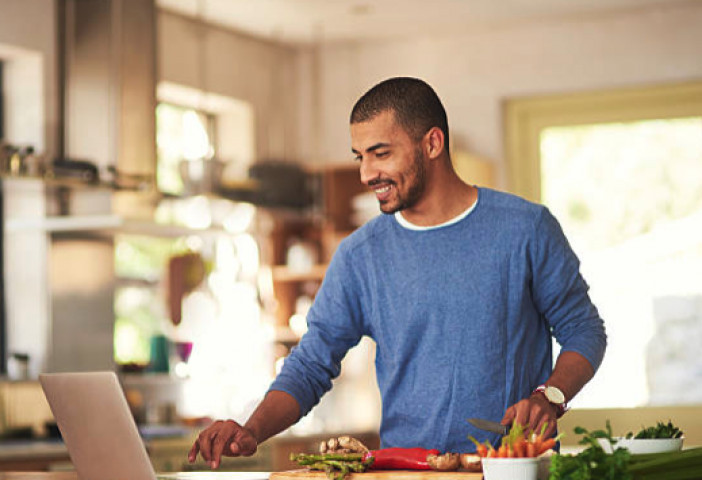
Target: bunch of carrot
<point>521,442</point>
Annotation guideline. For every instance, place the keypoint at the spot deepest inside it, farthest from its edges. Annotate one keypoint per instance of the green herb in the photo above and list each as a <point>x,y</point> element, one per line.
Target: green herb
<point>661,430</point>
<point>594,464</point>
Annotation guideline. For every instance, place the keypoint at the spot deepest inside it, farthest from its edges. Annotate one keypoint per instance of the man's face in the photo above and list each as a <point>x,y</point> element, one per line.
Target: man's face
<point>391,162</point>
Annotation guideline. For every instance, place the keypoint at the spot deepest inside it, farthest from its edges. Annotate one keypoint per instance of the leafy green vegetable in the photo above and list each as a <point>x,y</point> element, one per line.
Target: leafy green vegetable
<point>661,430</point>
<point>594,464</point>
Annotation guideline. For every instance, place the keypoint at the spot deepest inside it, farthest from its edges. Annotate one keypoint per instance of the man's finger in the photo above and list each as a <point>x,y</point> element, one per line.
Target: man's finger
<point>234,448</point>
<point>205,440</point>
<point>192,455</point>
<point>522,415</point>
<point>509,416</point>
<point>536,416</point>
<point>550,428</point>
<point>218,445</point>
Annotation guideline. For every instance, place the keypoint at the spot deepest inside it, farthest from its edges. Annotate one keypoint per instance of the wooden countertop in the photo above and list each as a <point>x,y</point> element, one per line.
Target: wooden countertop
<point>292,475</point>
<point>160,476</point>
<point>38,476</point>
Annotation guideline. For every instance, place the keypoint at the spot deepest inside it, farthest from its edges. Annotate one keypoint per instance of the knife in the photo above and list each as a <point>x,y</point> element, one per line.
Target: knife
<point>489,426</point>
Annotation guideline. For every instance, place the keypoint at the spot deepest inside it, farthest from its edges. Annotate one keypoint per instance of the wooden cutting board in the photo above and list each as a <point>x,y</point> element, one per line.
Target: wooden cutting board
<point>304,474</point>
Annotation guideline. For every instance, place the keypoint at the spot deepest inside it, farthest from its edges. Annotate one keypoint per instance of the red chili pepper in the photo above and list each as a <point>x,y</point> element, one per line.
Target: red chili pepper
<point>400,458</point>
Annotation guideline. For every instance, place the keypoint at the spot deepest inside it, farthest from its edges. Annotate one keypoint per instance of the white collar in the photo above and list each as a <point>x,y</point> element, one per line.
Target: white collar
<point>411,226</point>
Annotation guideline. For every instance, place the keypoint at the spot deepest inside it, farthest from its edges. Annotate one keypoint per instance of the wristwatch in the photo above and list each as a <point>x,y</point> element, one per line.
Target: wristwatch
<point>555,397</point>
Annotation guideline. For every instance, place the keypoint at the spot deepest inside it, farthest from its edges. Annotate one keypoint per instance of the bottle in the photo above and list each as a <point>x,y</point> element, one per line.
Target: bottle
<point>18,366</point>
<point>33,165</point>
<point>15,163</point>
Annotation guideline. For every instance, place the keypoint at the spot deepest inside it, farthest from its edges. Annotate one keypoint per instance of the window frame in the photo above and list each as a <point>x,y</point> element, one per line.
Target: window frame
<point>526,118</point>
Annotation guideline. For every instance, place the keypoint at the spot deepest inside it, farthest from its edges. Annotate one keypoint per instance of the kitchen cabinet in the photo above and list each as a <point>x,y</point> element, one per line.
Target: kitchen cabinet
<point>34,456</point>
<point>301,246</point>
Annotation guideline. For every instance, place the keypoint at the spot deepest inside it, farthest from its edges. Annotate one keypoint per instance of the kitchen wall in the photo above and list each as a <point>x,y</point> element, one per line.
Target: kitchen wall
<point>28,33</point>
<point>475,72</point>
<point>275,79</point>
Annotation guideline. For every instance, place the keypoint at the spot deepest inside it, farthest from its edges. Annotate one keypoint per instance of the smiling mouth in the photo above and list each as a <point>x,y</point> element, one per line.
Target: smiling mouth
<point>382,192</point>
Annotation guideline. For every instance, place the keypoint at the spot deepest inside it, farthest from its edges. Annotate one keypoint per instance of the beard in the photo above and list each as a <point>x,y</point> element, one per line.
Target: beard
<point>417,177</point>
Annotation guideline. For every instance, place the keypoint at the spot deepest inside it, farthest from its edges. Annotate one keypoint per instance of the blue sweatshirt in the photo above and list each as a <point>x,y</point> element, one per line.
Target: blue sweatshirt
<point>462,316</point>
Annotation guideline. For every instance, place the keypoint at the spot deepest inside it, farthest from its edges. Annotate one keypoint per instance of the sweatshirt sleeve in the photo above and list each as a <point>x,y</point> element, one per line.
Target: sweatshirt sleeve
<point>561,293</point>
<point>334,327</point>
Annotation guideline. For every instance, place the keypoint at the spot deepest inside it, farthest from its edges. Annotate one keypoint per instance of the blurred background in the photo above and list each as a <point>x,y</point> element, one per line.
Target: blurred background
<point>175,176</point>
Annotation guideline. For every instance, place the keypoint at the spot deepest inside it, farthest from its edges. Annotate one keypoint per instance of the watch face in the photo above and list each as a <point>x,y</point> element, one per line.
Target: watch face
<point>554,395</point>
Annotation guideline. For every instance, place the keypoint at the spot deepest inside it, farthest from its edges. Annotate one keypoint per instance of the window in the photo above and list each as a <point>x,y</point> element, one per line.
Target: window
<point>188,287</point>
<point>182,134</point>
<point>629,198</point>
<point>622,172</point>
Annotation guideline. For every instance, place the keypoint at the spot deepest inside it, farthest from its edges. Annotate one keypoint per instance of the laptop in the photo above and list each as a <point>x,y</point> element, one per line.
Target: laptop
<point>99,431</point>
<point>97,426</point>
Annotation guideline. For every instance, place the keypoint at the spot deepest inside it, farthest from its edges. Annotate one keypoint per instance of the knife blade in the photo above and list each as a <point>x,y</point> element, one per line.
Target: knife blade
<point>489,426</point>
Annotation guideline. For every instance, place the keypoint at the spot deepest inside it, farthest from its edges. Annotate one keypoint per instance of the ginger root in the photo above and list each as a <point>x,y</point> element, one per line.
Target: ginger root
<point>447,462</point>
<point>344,444</point>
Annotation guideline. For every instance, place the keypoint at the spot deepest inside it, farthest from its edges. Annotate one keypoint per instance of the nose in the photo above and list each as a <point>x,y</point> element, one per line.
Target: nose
<point>367,171</point>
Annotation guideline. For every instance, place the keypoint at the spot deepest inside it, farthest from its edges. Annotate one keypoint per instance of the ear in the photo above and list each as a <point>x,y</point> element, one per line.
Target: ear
<point>434,142</point>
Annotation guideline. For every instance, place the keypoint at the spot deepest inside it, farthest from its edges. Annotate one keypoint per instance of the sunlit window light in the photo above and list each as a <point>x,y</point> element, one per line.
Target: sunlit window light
<point>196,144</point>
<point>194,213</point>
<point>240,218</point>
<point>629,198</point>
<point>247,250</point>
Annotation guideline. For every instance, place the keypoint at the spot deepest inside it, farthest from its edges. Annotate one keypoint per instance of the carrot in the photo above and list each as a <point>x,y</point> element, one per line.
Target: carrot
<point>502,451</point>
<point>481,450</point>
<point>530,450</point>
<point>548,443</point>
<point>539,439</point>
<point>478,446</point>
<point>520,448</point>
<point>537,445</point>
<point>490,448</point>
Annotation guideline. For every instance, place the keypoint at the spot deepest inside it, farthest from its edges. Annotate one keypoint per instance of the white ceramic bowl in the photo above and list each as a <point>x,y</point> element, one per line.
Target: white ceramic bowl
<point>637,446</point>
<point>510,468</point>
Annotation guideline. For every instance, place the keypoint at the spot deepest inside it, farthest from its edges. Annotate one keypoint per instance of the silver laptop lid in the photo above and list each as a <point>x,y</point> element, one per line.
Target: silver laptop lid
<point>97,426</point>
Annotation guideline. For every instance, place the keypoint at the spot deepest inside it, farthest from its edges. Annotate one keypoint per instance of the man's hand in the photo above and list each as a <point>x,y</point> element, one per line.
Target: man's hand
<point>533,412</point>
<point>226,438</point>
<point>571,373</point>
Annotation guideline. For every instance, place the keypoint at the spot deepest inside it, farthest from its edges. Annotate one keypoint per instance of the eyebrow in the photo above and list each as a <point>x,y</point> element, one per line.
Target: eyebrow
<point>372,148</point>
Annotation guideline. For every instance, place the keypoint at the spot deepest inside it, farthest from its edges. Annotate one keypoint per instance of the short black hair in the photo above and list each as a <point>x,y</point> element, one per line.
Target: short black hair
<point>416,106</point>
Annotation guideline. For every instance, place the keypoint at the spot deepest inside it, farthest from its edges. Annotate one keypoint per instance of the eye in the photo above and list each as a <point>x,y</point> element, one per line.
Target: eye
<point>357,158</point>
<point>382,154</point>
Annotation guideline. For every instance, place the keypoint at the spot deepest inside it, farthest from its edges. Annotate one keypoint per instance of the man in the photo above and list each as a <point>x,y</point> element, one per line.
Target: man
<point>461,288</point>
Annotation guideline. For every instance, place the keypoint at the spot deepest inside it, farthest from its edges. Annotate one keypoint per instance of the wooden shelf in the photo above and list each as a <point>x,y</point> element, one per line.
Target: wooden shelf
<point>282,273</point>
<point>337,185</point>
<point>137,282</point>
<point>73,183</point>
<point>65,223</point>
